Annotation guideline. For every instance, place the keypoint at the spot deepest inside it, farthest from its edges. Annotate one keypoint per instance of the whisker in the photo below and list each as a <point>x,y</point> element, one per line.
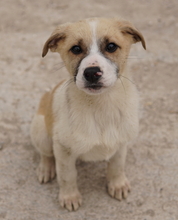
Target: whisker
<point>56,69</point>
<point>59,63</point>
<point>132,57</point>
<point>62,66</point>
<point>68,82</point>
<point>122,85</point>
<point>127,79</point>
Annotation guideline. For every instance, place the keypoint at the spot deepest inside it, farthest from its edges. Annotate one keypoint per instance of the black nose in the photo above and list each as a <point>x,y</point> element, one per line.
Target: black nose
<point>92,74</point>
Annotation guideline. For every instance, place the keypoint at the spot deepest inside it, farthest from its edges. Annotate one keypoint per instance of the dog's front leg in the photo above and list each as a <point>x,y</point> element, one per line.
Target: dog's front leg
<point>69,196</point>
<point>118,184</point>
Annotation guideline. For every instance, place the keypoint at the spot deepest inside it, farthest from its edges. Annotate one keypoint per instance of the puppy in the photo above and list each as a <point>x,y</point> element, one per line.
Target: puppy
<point>93,115</point>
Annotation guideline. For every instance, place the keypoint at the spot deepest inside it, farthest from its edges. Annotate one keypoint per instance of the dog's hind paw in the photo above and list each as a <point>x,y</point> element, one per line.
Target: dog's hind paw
<point>46,170</point>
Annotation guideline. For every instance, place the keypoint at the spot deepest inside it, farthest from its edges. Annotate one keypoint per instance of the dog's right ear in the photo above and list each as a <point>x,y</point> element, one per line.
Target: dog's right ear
<point>52,43</point>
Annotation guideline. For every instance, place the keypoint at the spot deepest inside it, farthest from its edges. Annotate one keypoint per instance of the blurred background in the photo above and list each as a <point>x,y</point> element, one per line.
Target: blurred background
<point>152,163</point>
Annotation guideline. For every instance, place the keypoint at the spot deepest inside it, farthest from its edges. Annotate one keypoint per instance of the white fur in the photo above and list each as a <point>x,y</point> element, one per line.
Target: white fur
<point>95,58</point>
<point>94,46</point>
<point>88,127</point>
<point>94,130</point>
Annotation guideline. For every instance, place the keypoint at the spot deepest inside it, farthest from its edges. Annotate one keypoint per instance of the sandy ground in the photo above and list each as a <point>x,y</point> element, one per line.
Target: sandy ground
<point>152,163</point>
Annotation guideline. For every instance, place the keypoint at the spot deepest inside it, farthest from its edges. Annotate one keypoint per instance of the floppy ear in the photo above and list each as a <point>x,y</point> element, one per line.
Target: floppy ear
<point>135,34</point>
<point>52,43</point>
<point>58,34</point>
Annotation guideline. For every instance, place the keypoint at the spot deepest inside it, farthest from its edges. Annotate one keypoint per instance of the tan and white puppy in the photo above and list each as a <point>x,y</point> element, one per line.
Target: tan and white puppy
<point>93,115</point>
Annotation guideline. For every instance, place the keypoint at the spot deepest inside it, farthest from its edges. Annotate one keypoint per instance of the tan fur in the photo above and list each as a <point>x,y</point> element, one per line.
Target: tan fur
<point>114,31</point>
<point>45,108</point>
<point>71,123</point>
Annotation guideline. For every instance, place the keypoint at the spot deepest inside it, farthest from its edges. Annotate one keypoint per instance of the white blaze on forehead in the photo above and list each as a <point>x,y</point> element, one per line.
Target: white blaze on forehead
<point>94,46</point>
<point>96,58</point>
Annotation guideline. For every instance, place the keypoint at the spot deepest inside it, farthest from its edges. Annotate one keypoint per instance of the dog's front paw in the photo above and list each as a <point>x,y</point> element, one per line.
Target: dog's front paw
<point>119,187</point>
<point>70,201</point>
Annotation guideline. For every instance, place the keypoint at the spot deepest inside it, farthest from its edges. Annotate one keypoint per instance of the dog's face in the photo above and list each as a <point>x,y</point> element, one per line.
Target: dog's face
<point>94,50</point>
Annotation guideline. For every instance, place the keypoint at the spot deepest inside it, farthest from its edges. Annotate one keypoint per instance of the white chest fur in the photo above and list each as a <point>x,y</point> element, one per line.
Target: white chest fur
<point>94,126</point>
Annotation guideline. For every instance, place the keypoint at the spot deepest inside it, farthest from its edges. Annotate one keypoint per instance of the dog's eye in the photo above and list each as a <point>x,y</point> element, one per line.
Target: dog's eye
<point>76,49</point>
<point>111,47</point>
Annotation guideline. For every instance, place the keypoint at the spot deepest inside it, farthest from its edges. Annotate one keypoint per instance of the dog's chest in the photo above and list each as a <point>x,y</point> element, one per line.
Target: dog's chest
<point>91,130</point>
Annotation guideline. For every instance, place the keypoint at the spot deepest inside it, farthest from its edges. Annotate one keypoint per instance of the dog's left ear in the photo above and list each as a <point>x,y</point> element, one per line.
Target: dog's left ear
<point>134,33</point>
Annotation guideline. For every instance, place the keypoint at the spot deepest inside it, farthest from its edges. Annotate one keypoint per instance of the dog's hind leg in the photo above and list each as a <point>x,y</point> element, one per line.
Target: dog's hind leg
<point>43,143</point>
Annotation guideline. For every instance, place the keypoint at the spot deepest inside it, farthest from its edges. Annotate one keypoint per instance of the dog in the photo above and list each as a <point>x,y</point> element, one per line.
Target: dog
<point>92,115</point>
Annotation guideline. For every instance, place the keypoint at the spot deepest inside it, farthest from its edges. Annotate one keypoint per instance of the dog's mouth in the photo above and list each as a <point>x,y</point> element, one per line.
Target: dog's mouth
<point>93,87</point>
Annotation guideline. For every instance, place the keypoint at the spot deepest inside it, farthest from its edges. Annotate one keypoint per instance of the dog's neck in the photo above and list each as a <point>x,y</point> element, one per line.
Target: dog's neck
<point>111,94</point>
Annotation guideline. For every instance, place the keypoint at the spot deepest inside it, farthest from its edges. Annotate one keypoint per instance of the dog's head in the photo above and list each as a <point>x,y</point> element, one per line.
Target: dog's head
<point>94,50</point>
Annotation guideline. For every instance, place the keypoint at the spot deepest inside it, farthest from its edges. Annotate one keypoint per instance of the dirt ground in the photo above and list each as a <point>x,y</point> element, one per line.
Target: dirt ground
<point>152,162</point>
